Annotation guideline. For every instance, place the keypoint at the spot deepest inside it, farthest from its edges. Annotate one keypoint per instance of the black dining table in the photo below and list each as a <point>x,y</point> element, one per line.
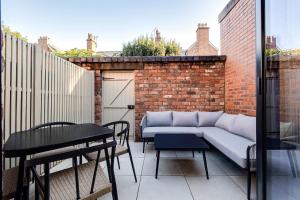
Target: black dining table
<point>25,143</point>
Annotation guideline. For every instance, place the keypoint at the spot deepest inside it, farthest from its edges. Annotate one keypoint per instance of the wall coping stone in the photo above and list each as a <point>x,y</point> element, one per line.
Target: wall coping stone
<point>149,59</point>
<point>227,9</point>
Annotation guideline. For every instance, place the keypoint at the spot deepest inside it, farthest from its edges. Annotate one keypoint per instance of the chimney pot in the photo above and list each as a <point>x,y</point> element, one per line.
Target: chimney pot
<point>44,41</point>
<point>91,43</point>
<point>157,36</point>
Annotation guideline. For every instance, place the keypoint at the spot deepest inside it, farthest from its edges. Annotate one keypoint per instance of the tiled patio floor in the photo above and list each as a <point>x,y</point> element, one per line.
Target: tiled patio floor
<point>181,177</point>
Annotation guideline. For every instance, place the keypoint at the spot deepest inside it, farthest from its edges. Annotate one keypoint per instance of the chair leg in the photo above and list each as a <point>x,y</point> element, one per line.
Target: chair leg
<point>26,188</point>
<point>118,162</point>
<point>46,179</point>
<point>80,159</point>
<point>112,175</point>
<point>107,161</point>
<point>193,154</point>
<point>144,143</point>
<point>132,165</point>
<point>292,164</point>
<point>36,192</point>
<point>249,185</point>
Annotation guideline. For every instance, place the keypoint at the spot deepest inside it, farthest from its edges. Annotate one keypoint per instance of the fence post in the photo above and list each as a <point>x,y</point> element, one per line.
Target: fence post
<point>36,85</point>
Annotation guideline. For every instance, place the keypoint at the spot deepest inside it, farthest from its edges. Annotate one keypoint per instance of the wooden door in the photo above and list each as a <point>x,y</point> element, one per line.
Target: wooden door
<point>118,97</point>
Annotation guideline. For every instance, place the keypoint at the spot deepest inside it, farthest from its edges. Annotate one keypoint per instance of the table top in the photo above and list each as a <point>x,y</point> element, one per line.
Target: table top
<point>35,141</point>
<point>184,142</point>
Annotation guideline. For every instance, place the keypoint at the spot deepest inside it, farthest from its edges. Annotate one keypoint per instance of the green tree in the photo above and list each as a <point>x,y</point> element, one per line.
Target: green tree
<point>172,48</point>
<point>271,52</point>
<point>147,46</point>
<point>7,29</point>
<point>74,53</point>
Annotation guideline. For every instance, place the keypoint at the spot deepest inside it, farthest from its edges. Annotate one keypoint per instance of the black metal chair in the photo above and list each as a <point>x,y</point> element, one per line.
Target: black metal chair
<point>57,151</point>
<point>121,130</point>
<point>86,181</point>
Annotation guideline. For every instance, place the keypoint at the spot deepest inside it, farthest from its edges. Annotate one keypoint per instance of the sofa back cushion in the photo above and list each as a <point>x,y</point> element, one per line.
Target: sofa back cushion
<point>226,121</point>
<point>207,119</point>
<point>245,126</point>
<point>186,119</point>
<point>159,118</point>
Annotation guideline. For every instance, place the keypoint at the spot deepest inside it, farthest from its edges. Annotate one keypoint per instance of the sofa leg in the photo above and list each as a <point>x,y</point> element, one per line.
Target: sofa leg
<point>144,142</point>
<point>249,185</point>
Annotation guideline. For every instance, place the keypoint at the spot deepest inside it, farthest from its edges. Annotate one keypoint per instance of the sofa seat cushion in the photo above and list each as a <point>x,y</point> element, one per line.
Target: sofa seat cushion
<point>149,132</point>
<point>207,130</point>
<point>233,146</point>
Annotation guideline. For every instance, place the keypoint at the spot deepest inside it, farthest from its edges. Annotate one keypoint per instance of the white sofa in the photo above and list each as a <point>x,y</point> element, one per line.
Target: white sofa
<point>233,135</point>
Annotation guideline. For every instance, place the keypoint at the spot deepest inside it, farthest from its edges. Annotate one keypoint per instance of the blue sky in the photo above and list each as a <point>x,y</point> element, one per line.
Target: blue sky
<point>283,22</point>
<point>115,22</point>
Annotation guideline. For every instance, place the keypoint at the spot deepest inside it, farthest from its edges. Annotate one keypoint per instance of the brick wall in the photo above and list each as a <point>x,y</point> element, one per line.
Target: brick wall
<point>166,83</point>
<point>282,75</point>
<point>237,23</point>
<point>179,86</point>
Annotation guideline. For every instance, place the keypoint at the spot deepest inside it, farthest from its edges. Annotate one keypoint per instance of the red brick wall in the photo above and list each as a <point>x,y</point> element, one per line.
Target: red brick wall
<point>174,83</point>
<point>180,87</point>
<point>238,44</point>
<point>283,74</point>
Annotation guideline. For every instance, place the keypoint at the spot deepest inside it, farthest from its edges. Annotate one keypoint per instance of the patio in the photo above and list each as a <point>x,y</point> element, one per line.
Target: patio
<point>180,177</point>
<point>254,72</point>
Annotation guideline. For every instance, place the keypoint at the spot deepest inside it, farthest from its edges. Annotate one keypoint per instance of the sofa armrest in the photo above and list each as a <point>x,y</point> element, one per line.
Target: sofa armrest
<point>251,157</point>
<point>143,124</point>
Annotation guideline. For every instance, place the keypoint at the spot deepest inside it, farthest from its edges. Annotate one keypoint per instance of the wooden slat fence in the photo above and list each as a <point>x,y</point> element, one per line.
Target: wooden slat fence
<point>39,87</point>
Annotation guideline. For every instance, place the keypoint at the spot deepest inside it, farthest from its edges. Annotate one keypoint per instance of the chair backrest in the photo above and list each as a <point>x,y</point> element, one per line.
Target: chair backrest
<point>70,154</point>
<point>121,129</point>
<point>51,124</point>
<point>44,187</point>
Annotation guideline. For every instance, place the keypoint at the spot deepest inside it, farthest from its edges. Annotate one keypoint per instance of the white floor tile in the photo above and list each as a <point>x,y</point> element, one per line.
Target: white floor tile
<point>126,168</point>
<point>195,167</point>
<point>164,188</point>
<point>216,188</point>
<point>127,189</point>
<point>241,181</point>
<point>167,166</point>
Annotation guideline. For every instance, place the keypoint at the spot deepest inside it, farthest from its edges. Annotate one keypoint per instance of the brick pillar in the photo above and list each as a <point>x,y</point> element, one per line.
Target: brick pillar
<point>98,99</point>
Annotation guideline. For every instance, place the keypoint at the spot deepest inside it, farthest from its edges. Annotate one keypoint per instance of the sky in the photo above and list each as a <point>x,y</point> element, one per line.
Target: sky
<point>283,22</point>
<point>115,22</point>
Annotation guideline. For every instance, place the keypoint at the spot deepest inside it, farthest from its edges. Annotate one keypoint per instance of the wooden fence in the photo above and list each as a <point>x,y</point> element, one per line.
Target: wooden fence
<point>39,87</point>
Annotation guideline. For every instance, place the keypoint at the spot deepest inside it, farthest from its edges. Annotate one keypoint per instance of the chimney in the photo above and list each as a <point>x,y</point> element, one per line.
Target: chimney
<point>271,42</point>
<point>202,33</point>
<point>44,42</point>
<point>202,46</point>
<point>157,36</point>
<point>91,43</point>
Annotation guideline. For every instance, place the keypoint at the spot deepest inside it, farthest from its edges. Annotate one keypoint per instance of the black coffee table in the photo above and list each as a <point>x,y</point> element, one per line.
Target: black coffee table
<point>180,142</point>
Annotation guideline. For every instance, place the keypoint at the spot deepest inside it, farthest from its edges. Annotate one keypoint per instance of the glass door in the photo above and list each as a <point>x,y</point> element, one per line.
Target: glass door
<point>281,99</point>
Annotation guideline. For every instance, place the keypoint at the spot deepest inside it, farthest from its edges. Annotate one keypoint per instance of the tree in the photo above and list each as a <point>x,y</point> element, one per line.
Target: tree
<point>287,52</point>
<point>172,48</point>
<point>147,46</point>
<point>74,53</point>
<point>6,29</point>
